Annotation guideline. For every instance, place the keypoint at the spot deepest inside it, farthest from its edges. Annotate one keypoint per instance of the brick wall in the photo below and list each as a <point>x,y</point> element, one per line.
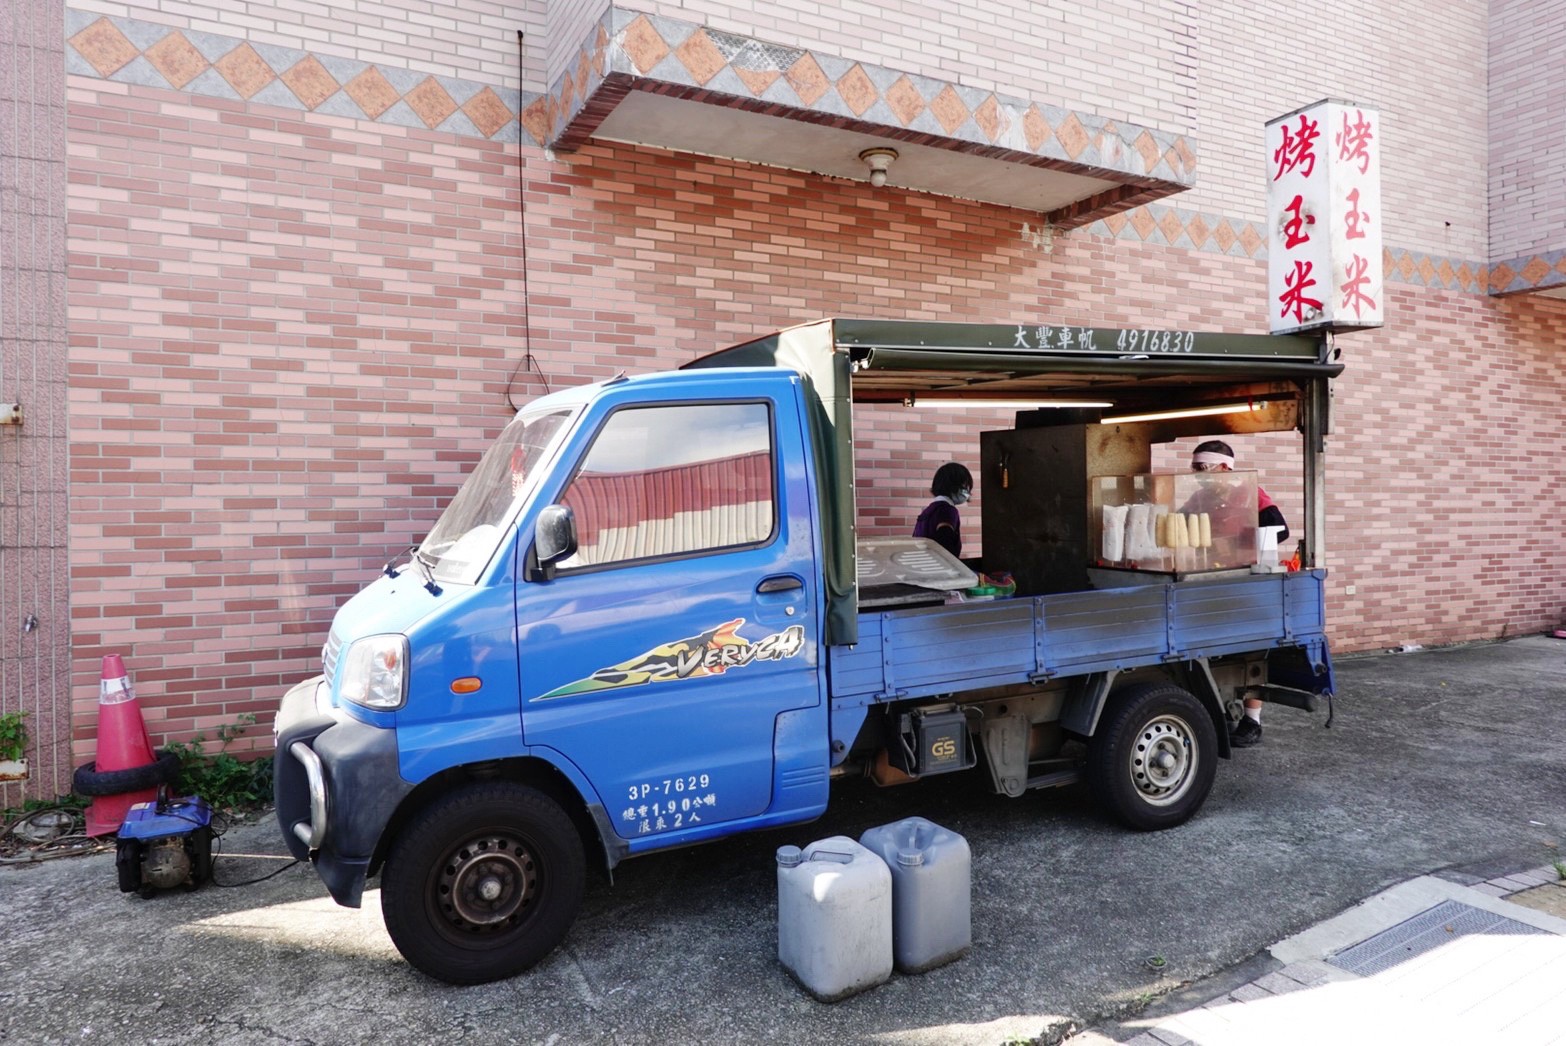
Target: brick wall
<point>1118,58</point>
<point>473,39</point>
<point>570,23</point>
<point>292,334</point>
<point>1445,461</point>
<point>1527,128</point>
<point>1217,73</point>
<point>288,340</point>
<point>1425,73</point>
<point>34,580</point>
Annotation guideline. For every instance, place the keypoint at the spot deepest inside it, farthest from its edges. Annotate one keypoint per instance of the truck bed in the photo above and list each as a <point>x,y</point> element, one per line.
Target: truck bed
<point>973,646</point>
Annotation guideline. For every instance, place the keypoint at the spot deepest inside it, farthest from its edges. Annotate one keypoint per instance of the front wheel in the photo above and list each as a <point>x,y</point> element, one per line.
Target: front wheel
<point>483,883</point>
<point>1153,758</point>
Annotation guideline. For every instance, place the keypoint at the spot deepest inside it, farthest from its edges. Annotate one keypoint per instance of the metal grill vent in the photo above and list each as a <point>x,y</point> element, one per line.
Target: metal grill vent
<point>329,652</point>
<point>1422,933</point>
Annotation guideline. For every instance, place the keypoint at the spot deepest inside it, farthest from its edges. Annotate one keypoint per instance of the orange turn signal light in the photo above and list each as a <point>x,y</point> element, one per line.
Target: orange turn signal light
<point>466,685</point>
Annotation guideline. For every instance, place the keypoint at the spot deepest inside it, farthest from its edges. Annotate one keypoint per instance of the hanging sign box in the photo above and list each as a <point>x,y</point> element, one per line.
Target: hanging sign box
<point>1324,219</point>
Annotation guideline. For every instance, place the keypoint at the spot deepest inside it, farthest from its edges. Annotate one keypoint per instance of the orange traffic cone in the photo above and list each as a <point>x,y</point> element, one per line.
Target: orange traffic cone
<point>126,771</point>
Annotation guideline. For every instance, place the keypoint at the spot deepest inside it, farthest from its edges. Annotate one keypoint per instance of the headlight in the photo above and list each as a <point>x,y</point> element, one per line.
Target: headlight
<point>374,672</point>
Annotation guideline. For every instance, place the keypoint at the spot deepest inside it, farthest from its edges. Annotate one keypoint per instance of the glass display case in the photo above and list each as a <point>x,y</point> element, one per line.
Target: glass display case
<point>1173,522</point>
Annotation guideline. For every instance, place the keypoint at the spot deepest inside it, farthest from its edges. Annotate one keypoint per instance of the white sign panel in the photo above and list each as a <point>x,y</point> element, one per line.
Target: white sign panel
<point>1324,219</point>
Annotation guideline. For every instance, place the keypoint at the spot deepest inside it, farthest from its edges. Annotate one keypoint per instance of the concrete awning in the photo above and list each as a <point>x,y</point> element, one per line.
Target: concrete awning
<point>657,81</point>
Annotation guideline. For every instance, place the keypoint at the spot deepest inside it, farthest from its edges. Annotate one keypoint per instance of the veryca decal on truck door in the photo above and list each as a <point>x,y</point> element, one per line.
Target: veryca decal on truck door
<point>709,654</point>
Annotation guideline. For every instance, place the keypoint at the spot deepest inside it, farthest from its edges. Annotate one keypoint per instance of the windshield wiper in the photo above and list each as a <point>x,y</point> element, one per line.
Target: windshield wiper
<point>424,568</point>
<point>390,569</point>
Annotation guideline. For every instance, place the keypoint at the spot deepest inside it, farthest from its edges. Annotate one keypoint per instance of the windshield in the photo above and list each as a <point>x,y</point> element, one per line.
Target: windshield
<point>465,537</point>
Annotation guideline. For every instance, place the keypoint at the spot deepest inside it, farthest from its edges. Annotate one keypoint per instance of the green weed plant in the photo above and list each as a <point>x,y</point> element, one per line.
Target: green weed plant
<point>222,779</point>
<point>13,736</point>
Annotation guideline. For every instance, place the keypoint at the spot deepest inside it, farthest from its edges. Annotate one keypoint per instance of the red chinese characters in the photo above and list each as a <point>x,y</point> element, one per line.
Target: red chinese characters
<point>1294,298</point>
<point>1323,219</point>
<point>1298,149</point>
<point>1294,232</point>
<point>1353,142</point>
<point>1353,217</point>
<point>1354,295</point>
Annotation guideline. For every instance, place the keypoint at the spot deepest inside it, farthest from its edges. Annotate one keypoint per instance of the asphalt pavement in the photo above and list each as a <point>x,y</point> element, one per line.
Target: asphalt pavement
<point>1444,766</point>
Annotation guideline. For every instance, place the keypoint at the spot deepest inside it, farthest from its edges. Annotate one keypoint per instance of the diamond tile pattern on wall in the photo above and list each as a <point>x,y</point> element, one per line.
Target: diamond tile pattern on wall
<point>683,58</point>
<point>774,74</point>
<point>176,59</point>
<point>204,63</point>
<point>245,70</point>
<point>942,114</point>
<point>372,91</point>
<point>1159,224</point>
<point>430,102</point>
<point>310,81</point>
<point>1529,273</point>
<point>104,46</point>
<point>807,79</point>
<point>488,113</point>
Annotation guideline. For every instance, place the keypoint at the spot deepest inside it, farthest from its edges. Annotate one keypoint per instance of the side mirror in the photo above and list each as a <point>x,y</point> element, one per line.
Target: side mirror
<point>554,538</point>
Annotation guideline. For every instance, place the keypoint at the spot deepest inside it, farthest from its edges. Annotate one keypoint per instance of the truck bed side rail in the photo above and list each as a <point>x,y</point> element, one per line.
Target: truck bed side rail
<point>951,649</point>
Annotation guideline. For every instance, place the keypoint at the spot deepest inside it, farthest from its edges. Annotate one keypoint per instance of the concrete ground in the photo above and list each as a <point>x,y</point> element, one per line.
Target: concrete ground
<point>1447,761</point>
<point>1430,960</point>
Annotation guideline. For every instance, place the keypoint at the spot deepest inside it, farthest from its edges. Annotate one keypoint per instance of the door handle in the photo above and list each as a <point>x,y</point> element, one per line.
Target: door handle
<point>779,583</point>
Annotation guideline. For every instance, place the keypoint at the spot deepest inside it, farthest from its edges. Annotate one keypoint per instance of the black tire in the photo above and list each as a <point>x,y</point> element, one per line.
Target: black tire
<point>90,781</point>
<point>1154,756</point>
<point>201,855</point>
<point>127,865</point>
<point>498,837</point>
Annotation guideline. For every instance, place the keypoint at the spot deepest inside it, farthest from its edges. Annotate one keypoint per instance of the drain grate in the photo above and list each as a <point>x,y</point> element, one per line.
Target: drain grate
<point>1424,932</point>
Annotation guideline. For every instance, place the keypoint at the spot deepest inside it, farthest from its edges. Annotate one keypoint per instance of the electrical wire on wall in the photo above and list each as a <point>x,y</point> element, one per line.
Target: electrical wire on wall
<point>527,359</point>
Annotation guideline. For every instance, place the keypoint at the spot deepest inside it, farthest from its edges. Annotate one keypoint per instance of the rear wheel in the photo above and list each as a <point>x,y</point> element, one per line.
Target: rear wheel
<point>1152,760</point>
<point>483,883</point>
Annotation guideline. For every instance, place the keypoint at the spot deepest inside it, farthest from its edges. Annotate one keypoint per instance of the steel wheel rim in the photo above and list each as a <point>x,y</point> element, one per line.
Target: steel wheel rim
<point>488,884</point>
<point>1163,759</point>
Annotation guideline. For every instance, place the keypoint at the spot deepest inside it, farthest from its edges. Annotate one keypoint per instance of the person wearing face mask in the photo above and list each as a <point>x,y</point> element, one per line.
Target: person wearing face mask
<point>1217,456</point>
<point>952,486</point>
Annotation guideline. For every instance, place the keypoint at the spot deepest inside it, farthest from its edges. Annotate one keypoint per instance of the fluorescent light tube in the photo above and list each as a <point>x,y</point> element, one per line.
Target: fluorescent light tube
<point>1248,407</point>
<point>956,401</point>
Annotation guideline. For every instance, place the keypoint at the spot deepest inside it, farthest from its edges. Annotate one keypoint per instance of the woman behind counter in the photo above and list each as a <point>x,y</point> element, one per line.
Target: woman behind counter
<point>952,486</point>
<point>1217,456</point>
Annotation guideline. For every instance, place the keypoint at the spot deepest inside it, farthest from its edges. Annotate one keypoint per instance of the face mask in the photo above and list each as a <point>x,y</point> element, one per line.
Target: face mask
<point>961,497</point>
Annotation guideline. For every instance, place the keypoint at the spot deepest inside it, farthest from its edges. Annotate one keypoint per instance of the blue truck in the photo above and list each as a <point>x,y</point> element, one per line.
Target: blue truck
<point>643,621</point>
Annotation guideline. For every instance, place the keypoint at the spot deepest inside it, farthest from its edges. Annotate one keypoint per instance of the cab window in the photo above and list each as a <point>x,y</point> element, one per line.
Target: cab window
<point>674,480</point>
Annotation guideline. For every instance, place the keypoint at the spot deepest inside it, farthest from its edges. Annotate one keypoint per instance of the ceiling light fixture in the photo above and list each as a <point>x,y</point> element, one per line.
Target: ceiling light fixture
<point>878,160</point>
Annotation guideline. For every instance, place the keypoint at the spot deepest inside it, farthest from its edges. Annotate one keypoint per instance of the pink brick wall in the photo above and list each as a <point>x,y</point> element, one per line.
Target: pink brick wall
<point>34,579</point>
<point>1118,58</point>
<point>1446,461</point>
<point>1216,72</point>
<point>570,24</point>
<point>291,334</point>
<point>288,339</point>
<point>471,39</point>
<point>1424,72</point>
<point>1527,128</point>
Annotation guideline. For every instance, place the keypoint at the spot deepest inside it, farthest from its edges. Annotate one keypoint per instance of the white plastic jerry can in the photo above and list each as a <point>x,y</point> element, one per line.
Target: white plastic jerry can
<point>932,905</point>
<point>834,917</point>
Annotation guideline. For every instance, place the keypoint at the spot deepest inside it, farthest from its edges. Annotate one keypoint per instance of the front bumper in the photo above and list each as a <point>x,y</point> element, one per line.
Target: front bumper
<point>336,785</point>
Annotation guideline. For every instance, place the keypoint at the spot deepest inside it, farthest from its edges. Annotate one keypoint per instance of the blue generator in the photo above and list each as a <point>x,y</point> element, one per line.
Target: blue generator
<point>165,844</point>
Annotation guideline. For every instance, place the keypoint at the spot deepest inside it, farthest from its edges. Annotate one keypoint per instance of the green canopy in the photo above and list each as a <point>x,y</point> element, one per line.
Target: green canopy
<point>843,361</point>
